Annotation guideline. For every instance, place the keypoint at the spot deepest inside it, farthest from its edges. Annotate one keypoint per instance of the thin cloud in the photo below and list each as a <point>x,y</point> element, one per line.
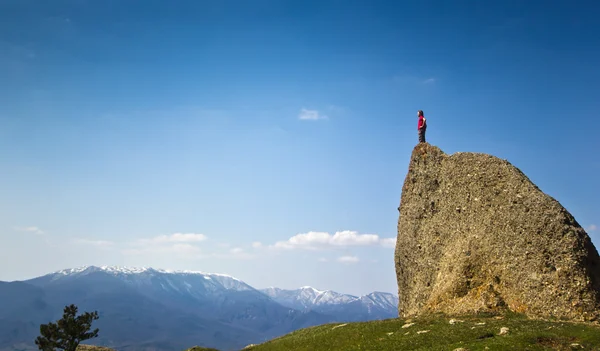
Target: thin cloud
<point>321,240</point>
<point>388,242</point>
<point>592,228</point>
<point>313,115</point>
<point>336,109</point>
<point>412,80</point>
<point>180,249</point>
<point>348,259</point>
<point>257,245</point>
<point>32,229</point>
<point>322,259</point>
<point>180,244</point>
<point>173,238</point>
<point>97,243</point>
<point>236,253</point>
<point>186,246</point>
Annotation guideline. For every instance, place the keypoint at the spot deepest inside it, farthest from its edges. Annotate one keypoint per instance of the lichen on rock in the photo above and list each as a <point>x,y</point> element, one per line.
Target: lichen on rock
<point>476,235</point>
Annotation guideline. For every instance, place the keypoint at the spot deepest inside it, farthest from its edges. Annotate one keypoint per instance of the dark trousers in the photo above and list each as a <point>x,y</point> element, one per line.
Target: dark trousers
<point>422,135</point>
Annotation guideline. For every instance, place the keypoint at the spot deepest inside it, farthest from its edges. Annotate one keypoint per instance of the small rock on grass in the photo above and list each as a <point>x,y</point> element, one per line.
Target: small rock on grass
<point>461,349</point>
<point>341,325</point>
<point>503,331</point>
<point>423,331</point>
<point>407,325</point>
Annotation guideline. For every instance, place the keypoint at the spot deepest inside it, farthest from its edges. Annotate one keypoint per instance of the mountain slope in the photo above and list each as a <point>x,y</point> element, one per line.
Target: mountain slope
<point>146,309</point>
<point>150,309</point>
<point>128,320</point>
<point>223,298</point>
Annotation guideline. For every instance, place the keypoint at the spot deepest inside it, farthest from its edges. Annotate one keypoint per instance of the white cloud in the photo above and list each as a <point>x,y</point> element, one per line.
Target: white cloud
<point>236,250</point>
<point>257,245</point>
<point>429,81</point>
<point>348,259</point>
<point>322,259</point>
<point>32,229</point>
<point>173,238</point>
<point>310,115</point>
<point>320,240</point>
<point>97,243</point>
<point>592,228</point>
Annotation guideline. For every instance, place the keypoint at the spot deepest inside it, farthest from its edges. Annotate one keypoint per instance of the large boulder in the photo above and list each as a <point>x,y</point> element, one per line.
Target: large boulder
<point>476,235</point>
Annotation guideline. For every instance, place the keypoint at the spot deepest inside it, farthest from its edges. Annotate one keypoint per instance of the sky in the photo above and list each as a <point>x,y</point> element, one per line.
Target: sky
<point>269,140</point>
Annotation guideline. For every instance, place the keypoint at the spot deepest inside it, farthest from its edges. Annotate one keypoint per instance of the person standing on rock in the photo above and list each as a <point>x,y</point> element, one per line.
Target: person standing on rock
<point>422,126</point>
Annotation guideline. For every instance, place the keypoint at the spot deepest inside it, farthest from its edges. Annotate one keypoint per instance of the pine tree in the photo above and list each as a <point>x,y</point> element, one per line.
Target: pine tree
<point>68,332</point>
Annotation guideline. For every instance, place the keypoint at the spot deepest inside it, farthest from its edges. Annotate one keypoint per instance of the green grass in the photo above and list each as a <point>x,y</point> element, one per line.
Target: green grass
<point>470,334</point>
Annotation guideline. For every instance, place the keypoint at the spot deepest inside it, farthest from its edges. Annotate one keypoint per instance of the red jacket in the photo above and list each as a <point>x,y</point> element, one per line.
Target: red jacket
<point>421,122</point>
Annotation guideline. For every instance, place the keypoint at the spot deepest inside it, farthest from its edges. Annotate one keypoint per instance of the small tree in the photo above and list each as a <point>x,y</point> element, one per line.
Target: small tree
<point>68,332</point>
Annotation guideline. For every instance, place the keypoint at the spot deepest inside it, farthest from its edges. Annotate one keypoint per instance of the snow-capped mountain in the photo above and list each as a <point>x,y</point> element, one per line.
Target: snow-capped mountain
<point>146,309</point>
<point>376,305</point>
<point>118,270</point>
<point>307,297</point>
<point>167,310</point>
<point>185,282</point>
<point>381,299</point>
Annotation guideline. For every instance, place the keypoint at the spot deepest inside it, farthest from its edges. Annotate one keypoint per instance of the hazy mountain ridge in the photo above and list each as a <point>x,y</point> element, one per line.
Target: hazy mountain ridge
<point>146,308</point>
<point>376,305</point>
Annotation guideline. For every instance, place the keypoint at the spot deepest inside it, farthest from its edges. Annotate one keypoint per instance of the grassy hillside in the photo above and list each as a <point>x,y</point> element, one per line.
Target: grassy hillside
<point>441,333</point>
<point>98,348</point>
<point>468,333</point>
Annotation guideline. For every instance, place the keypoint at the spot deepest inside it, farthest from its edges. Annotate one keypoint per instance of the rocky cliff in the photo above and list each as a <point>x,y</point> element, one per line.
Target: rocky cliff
<point>476,235</point>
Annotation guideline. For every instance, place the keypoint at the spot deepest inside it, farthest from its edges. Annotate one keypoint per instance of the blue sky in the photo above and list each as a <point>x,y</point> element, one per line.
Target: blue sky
<point>208,135</point>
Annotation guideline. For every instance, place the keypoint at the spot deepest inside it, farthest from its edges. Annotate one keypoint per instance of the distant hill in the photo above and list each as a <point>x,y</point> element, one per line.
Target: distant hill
<point>149,309</point>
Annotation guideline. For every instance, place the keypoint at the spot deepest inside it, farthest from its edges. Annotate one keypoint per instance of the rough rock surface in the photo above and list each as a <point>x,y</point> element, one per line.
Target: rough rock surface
<point>476,235</point>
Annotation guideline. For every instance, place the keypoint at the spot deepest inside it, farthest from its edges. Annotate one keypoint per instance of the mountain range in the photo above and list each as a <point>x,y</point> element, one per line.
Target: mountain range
<point>150,309</point>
